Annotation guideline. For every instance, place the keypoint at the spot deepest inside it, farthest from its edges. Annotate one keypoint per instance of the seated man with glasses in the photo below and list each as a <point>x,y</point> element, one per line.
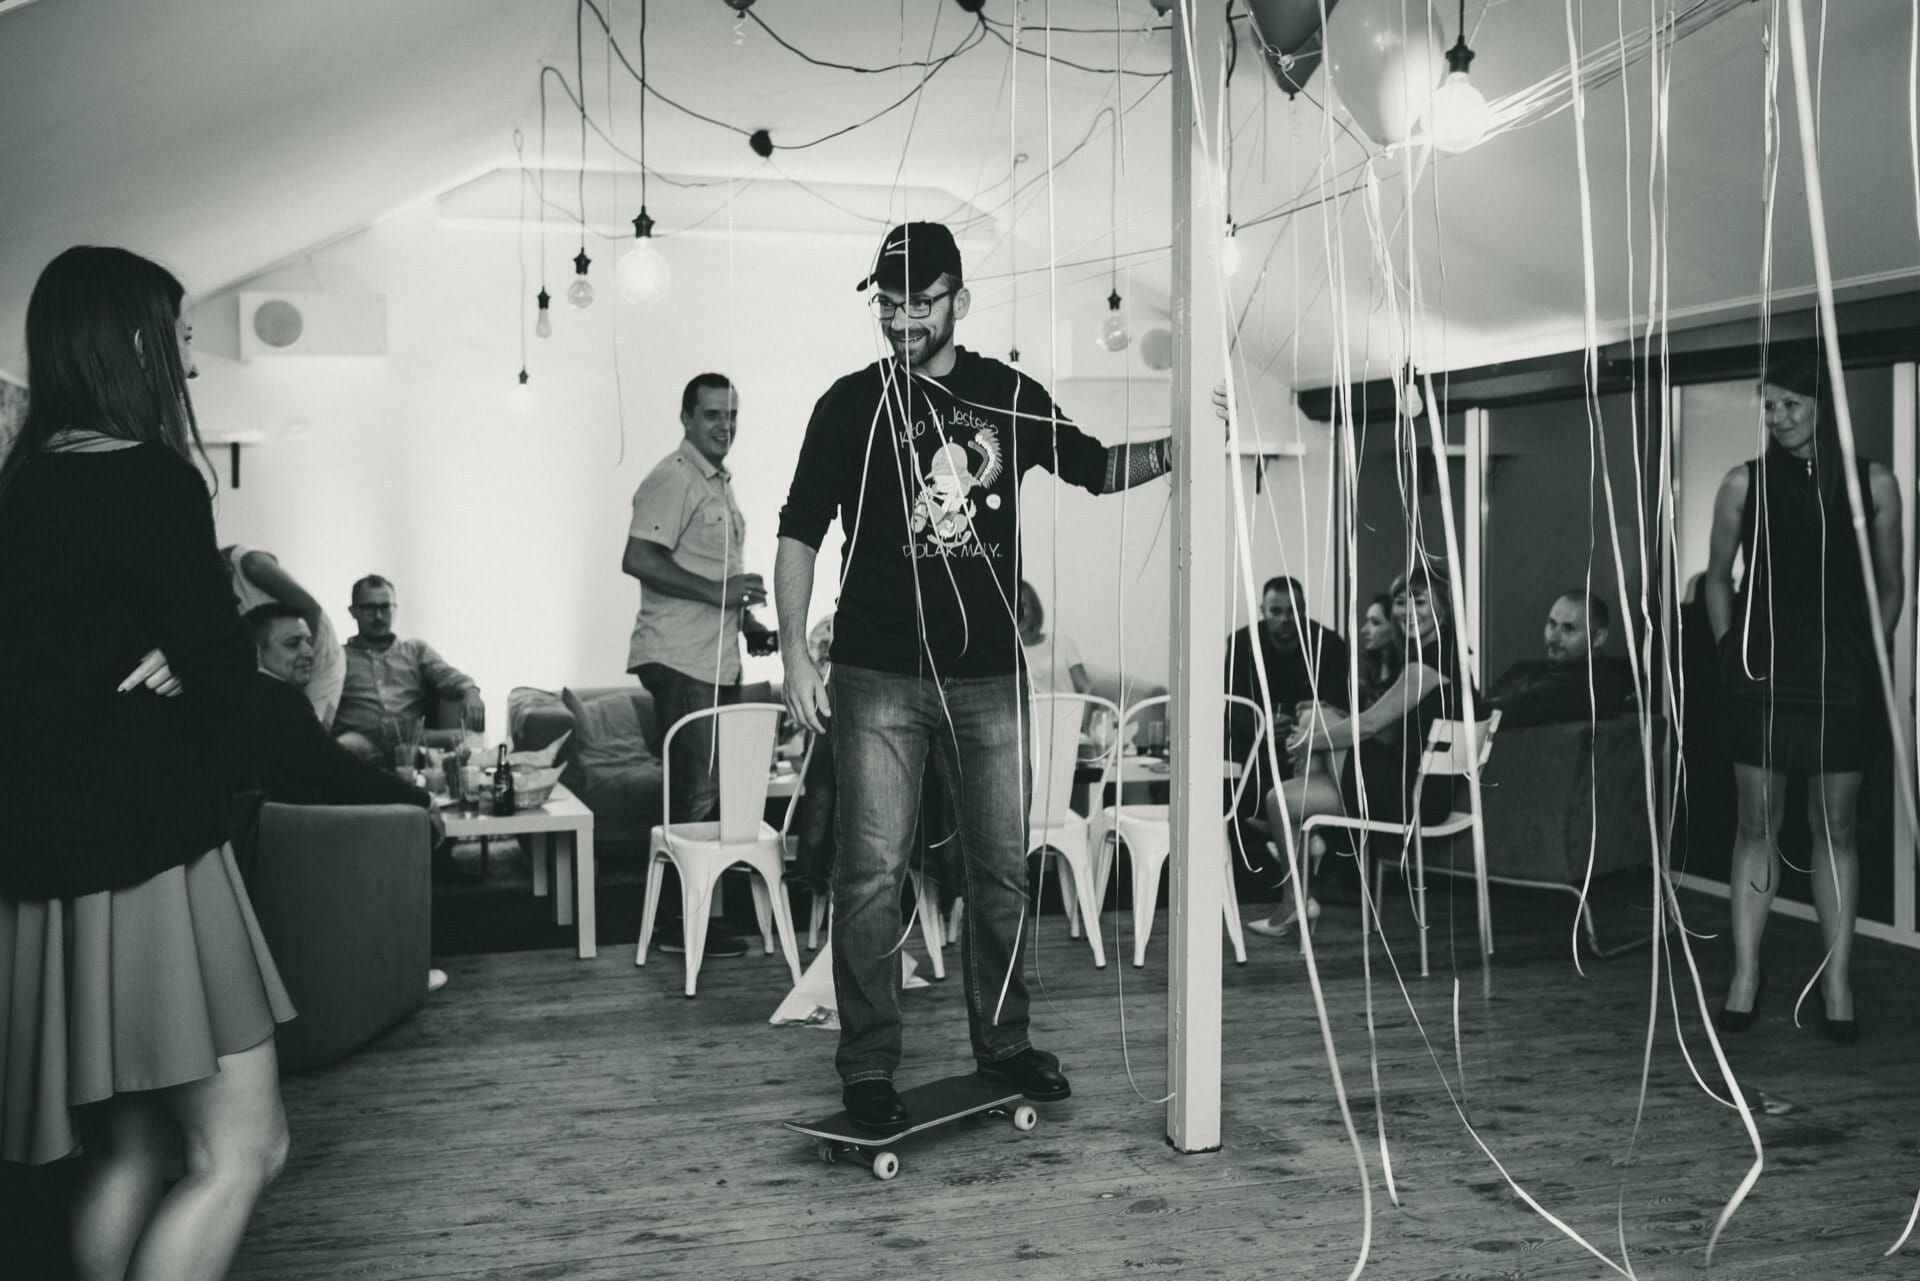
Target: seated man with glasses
<point>391,681</point>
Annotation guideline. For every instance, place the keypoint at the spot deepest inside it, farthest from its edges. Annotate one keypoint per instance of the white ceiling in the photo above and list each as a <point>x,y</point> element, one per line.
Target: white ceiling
<point>224,137</point>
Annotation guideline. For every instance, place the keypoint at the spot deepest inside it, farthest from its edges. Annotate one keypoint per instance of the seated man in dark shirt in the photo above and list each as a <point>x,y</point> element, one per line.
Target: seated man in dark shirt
<point>1573,683</point>
<point>281,750</point>
<point>1304,662</point>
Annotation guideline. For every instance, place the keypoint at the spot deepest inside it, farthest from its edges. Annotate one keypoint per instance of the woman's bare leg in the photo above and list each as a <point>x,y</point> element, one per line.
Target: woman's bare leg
<point>132,1149</point>
<point>236,1141</point>
<point>1755,875</point>
<point>1833,802</point>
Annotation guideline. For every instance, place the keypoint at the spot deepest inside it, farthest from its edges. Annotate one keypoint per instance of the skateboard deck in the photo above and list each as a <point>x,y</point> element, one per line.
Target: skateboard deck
<point>929,1106</point>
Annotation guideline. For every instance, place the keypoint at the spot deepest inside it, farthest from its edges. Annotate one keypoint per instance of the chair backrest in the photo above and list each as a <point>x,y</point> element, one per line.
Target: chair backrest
<point>1053,738</point>
<point>1250,763</point>
<point>743,753</point>
<point>1450,746</point>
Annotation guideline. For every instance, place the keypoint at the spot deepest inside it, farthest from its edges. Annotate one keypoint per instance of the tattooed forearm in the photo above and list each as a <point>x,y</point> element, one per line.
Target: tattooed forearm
<point>1129,465</point>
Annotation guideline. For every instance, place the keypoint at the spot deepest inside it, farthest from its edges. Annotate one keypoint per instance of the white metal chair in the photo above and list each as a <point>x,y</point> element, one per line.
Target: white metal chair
<point>1449,754</point>
<point>932,929</point>
<point>700,852</point>
<point>1052,823</point>
<point>1147,833</point>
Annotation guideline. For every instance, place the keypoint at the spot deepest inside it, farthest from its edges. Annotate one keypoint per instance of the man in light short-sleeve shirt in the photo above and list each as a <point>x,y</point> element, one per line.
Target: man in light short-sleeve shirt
<point>685,546</point>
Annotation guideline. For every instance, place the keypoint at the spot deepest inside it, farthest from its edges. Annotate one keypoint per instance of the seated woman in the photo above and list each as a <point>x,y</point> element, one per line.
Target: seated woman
<point>1053,662</point>
<point>1383,649</point>
<point>1377,780</point>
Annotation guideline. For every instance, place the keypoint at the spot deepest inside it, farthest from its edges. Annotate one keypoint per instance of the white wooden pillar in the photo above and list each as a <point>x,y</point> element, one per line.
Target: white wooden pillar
<point>1198,597</point>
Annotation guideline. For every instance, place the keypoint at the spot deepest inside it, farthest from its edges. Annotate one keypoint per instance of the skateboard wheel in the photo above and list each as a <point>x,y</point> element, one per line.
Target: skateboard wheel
<point>885,1166</point>
<point>1025,1118</point>
<point>829,1155</point>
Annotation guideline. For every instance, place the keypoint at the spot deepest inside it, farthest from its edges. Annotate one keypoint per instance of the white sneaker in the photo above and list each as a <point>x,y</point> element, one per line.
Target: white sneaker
<point>436,979</point>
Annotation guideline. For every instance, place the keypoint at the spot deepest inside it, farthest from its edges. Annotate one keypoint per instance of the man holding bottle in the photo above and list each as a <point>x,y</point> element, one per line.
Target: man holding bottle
<point>684,546</point>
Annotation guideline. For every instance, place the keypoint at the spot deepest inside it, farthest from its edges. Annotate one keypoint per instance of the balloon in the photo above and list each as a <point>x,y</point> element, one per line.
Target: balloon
<point>1290,30</point>
<point>1385,57</point>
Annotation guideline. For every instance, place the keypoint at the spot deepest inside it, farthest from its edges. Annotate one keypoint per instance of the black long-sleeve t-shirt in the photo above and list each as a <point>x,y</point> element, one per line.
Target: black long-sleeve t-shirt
<point>924,474</point>
<point>104,556</point>
<point>280,749</point>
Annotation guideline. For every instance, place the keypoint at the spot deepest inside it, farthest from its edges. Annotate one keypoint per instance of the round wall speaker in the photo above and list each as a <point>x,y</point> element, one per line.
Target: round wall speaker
<point>1156,349</point>
<point>278,323</point>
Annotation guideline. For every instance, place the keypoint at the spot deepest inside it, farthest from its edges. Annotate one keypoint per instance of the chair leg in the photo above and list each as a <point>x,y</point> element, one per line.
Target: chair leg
<point>931,929</point>
<point>1230,906</point>
<point>1420,894</point>
<point>1070,895</point>
<point>1146,897</point>
<point>1105,851</point>
<point>763,913</point>
<point>1083,890</point>
<point>774,889</point>
<point>696,901</point>
<point>651,907</point>
<point>816,916</point>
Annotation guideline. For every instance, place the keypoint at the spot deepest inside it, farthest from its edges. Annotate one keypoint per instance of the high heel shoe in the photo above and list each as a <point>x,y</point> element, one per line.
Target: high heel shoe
<point>1740,1020</point>
<point>1839,1031</point>
<point>1273,929</point>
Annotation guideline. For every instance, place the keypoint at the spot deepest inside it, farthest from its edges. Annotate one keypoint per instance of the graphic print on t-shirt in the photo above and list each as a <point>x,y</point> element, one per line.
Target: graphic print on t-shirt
<point>943,506</point>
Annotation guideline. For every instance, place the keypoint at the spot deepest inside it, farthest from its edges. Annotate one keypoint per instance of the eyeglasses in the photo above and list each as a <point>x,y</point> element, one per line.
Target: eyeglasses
<point>370,609</point>
<point>918,307</point>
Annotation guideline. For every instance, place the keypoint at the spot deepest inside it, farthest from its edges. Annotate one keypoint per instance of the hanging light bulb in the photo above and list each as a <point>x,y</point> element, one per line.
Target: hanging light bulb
<point>1230,253</point>
<point>1113,331</point>
<point>543,322</point>
<point>643,272</point>
<point>1412,403</point>
<point>520,399</point>
<point>1458,117</point>
<point>580,292</point>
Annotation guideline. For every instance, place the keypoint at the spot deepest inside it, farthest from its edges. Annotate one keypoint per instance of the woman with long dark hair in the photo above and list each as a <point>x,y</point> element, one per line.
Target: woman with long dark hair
<point>1383,649</point>
<point>140,998</point>
<point>1799,683</point>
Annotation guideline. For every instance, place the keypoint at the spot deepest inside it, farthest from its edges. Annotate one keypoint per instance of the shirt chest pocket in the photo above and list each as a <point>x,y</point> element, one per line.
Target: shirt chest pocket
<point>713,534</point>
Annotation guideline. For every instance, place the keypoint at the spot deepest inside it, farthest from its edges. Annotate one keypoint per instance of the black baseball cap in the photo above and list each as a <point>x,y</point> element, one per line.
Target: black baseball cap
<point>913,256</point>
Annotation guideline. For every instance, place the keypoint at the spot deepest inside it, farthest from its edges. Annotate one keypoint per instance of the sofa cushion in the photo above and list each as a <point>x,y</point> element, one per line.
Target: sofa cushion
<point>606,734</point>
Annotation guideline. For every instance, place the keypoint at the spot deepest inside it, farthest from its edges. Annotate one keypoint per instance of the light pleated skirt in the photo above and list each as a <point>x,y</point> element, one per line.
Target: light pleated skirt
<point>126,990</point>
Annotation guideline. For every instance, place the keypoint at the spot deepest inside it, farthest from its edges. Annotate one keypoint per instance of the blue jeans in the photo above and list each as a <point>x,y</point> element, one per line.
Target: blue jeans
<point>884,727</point>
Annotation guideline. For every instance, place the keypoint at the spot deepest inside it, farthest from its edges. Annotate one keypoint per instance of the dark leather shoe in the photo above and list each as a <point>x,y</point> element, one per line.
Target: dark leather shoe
<point>1034,1073</point>
<point>875,1105</point>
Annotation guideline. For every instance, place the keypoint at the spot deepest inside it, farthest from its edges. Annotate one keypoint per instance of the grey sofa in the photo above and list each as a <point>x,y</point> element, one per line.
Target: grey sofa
<point>345,900</point>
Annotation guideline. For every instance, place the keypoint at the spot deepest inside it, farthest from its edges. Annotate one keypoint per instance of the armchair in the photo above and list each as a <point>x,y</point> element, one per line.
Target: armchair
<point>344,899</point>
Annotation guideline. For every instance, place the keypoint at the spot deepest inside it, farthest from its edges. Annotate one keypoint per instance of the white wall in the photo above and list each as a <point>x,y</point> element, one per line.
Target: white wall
<point>504,533</point>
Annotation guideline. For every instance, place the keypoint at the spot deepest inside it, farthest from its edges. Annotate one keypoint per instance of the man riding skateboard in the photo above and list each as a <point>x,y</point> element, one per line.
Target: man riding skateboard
<point>921,456</point>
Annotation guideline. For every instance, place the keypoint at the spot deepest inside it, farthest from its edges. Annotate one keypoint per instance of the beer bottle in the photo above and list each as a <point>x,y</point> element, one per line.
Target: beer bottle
<point>503,785</point>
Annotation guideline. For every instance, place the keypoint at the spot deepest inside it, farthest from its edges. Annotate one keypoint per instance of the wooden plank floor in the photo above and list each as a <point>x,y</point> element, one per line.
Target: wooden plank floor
<point>547,1117</point>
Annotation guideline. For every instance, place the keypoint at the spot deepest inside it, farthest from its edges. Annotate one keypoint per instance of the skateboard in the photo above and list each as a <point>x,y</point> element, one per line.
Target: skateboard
<point>931,1105</point>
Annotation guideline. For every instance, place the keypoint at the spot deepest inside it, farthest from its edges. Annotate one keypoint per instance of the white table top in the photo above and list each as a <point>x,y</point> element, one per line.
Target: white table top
<point>562,812</point>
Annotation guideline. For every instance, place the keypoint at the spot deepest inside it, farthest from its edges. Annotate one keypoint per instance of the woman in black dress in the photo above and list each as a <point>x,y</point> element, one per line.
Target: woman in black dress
<point>1799,685</point>
<point>137,998</point>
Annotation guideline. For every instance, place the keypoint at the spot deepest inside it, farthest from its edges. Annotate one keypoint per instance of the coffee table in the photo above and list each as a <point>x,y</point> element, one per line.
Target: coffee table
<point>562,815</point>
